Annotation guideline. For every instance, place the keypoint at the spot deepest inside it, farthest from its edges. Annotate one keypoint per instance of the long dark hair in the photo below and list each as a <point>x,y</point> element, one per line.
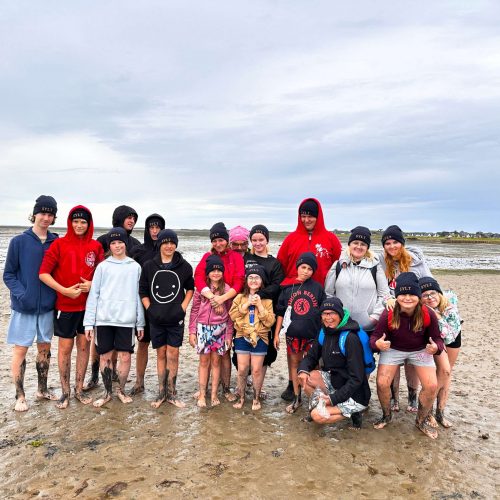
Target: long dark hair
<point>417,318</point>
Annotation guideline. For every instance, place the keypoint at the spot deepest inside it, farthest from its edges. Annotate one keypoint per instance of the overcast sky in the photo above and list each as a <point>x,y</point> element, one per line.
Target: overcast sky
<point>387,111</point>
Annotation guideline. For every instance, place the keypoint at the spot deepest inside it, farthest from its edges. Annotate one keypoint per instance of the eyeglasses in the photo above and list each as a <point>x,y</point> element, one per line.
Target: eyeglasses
<point>254,278</point>
<point>328,314</point>
<point>430,295</point>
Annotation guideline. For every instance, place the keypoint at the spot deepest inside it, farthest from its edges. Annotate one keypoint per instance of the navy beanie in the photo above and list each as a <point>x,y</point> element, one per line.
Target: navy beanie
<point>156,221</point>
<point>167,236</point>
<point>256,269</point>
<point>218,230</point>
<point>46,205</point>
<point>360,233</point>
<point>407,283</point>
<point>214,263</point>
<point>393,233</point>
<point>259,228</point>
<point>427,283</point>
<point>333,304</point>
<point>80,213</point>
<point>117,233</point>
<point>307,258</point>
<point>309,207</point>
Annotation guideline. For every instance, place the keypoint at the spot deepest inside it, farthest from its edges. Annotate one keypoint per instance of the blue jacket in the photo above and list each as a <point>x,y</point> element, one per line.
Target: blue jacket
<point>27,293</point>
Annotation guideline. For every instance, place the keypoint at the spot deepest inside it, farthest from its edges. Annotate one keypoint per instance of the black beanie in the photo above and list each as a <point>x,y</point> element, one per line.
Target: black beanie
<point>214,263</point>
<point>309,207</point>
<point>156,221</point>
<point>393,233</point>
<point>257,269</point>
<point>333,304</point>
<point>360,233</point>
<point>307,258</point>
<point>167,236</point>
<point>46,205</point>
<point>117,233</point>
<point>407,283</point>
<point>259,228</point>
<point>218,230</point>
<point>80,213</point>
<point>427,283</point>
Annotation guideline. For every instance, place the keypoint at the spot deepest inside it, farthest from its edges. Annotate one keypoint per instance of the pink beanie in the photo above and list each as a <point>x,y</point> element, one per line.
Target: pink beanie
<point>238,233</point>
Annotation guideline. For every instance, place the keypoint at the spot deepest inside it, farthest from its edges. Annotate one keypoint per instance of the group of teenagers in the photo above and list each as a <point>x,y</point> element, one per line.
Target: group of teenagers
<point>331,307</point>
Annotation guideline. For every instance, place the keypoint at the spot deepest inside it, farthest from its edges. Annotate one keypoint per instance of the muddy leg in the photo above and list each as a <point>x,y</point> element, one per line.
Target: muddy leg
<point>444,382</point>
<point>18,368</point>
<point>215,365</point>
<point>82,360</point>
<point>42,368</point>
<point>258,379</point>
<point>172,368</point>
<point>64,362</point>
<point>123,369</point>
<point>203,369</point>
<point>114,359</point>
<point>427,377</point>
<point>395,390</point>
<point>243,365</point>
<point>141,363</point>
<point>93,380</point>
<point>107,375</point>
<point>161,368</point>
<point>225,376</point>
<point>385,376</point>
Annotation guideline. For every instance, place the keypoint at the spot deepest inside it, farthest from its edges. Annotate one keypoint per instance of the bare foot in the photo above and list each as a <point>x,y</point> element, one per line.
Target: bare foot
<point>292,408</point>
<point>46,395</point>
<point>85,400</point>
<point>382,421</point>
<point>157,403</point>
<point>230,396</point>
<point>63,402</point>
<point>239,404</point>
<point>90,384</point>
<point>215,401</point>
<point>21,405</point>
<point>196,395</point>
<point>202,402</point>
<point>256,405</point>
<point>137,389</point>
<point>124,398</point>
<point>432,421</point>
<point>176,402</point>
<point>442,419</point>
<point>102,401</point>
<point>412,409</point>
<point>394,405</point>
<point>427,429</point>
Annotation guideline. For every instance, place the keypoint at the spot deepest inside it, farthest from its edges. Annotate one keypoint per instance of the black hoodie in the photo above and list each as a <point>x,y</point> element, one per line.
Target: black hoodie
<point>166,285</point>
<point>147,250</point>
<point>119,215</point>
<point>347,373</point>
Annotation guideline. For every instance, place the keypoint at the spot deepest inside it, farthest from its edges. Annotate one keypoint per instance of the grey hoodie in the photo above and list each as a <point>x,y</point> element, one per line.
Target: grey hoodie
<point>114,295</point>
<point>356,288</point>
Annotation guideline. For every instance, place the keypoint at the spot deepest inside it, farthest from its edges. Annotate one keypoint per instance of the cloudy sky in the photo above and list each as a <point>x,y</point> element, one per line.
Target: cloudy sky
<point>386,111</point>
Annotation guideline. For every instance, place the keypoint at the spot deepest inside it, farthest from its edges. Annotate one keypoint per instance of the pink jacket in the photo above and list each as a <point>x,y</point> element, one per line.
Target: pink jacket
<point>202,312</point>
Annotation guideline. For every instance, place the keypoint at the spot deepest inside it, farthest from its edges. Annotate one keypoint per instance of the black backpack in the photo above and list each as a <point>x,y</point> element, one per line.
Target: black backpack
<point>373,270</point>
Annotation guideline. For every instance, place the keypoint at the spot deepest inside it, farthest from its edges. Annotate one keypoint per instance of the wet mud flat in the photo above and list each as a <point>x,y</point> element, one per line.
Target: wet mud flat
<point>130,451</point>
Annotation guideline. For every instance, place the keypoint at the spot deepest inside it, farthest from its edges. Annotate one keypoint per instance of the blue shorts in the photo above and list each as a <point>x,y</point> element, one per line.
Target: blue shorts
<point>24,328</point>
<point>242,346</point>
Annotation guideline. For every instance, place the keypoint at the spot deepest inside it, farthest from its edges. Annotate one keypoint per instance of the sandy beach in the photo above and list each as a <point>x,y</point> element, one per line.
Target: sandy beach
<point>131,451</point>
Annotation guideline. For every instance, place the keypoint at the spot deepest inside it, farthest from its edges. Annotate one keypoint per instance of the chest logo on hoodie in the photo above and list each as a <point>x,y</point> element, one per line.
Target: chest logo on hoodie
<point>321,252</point>
<point>301,306</point>
<point>90,259</point>
<point>165,286</point>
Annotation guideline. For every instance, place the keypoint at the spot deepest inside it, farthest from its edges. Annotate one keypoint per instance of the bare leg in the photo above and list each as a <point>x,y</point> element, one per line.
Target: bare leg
<point>93,380</point>
<point>215,360</point>
<point>335,415</point>
<point>243,365</point>
<point>18,368</point>
<point>42,368</point>
<point>428,379</point>
<point>114,359</point>
<point>295,359</point>
<point>385,376</point>
<point>412,383</point>
<point>203,370</point>
<point>257,363</point>
<point>225,375</point>
<point>161,368</point>
<point>64,361</point>
<point>172,368</point>
<point>314,381</point>
<point>141,363</point>
<point>123,369</point>
<point>287,394</point>
<point>444,381</point>
<point>107,375</point>
<point>82,361</point>
<point>395,390</point>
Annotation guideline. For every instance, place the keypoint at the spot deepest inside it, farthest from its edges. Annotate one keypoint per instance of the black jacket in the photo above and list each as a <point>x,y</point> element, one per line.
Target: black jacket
<point>275,275</point>
<point>146,251</point>
<point>119,216</point>
<point>347,373</point>
<point>166,287</point>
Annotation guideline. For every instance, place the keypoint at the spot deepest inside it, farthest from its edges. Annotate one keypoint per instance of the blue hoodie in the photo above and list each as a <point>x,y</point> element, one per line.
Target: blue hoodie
<point>28,294</point>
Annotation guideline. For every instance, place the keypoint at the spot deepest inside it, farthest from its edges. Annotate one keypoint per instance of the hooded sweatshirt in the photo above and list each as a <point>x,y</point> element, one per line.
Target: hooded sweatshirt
<point>114,296</point>
<point>28,294</point>
<point>119,215</point>
<point>418,266</point>
<point>146,251</point>
<point>347,373</point>
<point>304,298</point>
<point>357,290</point>
<point>70,258</point>
<point>234,270</point>
<point>166,286</point>
<point>323,243</point>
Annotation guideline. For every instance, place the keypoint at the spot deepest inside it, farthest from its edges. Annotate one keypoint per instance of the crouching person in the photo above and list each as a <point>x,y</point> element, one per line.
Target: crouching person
<point>340,388</point>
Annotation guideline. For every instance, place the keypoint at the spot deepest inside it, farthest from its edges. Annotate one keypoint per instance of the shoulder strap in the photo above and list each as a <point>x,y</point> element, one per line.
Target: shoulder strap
<point>321,337</point>
<point>342,339</point>
<point>374,274</point>
<point>338,268</point>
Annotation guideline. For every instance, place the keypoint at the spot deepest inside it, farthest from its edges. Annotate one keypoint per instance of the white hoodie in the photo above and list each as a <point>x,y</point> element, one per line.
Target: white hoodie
<point>114,295</point>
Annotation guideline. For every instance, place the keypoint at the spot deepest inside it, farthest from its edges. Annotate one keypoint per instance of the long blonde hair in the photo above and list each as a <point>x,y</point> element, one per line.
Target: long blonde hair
<point>417,318</point>
<point>403,261</point>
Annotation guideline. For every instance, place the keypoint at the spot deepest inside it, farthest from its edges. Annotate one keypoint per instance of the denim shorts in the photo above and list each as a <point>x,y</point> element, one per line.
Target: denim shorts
<point>24,328</point>
<point>242,346</point>
<point>416,358</point>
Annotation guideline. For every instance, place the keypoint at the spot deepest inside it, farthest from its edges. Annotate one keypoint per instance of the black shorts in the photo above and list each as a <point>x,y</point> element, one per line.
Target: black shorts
<point>171,335</point>
<point>118,338</point>
<point>456,344</point>
<point>68,324</point>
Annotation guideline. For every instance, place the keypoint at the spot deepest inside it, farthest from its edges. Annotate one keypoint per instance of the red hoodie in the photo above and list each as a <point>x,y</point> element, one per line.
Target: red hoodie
<point>234,270</point>
<point>70,259</point>
<point>323,243</point>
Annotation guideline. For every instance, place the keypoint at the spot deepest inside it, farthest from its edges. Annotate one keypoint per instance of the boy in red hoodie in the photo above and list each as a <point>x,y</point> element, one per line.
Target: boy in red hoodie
<point>68,267</point>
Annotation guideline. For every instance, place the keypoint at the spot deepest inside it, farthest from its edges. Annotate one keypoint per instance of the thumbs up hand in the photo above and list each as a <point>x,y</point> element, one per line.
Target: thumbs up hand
<point>382,344</point>
<point>431,347</point>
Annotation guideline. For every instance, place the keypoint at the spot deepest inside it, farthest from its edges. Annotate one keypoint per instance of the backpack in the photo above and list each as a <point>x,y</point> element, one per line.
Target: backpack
<point>373,270</point>
<point>364,338</point>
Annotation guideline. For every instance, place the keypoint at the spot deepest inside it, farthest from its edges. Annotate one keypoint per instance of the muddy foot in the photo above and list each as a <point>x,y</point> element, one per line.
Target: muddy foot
<point>196,395</point>
<point>357,421</point>
<point>256,405</point>
<point>90,384</point>
<point>102,401</point>
<point>202,402</point>
<point>21,405</point>
<point>383,421</point>
<point>215,401</point>
<point>412,408</point>
<point>63,402</point>
<point>176,402</point>
<point>427,429</point>
<point>137,389</point>
<point>442,419</point>
<point>294,406</point>
<point>230,396</point>
<point>394,405</point>
<point>239,404</point>
<point>49,395</point>
<point>124,398</point>
<point>85,400</point>
<point>157,403</point>
<point>432,421</point>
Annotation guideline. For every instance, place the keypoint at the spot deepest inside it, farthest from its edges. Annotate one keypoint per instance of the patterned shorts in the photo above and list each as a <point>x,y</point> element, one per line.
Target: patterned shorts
<point>211,338</point>
<point>294,345</point>
<point>347,408</point>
